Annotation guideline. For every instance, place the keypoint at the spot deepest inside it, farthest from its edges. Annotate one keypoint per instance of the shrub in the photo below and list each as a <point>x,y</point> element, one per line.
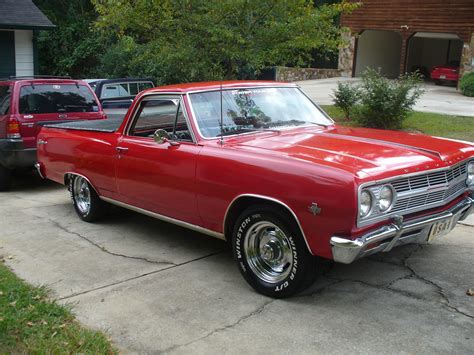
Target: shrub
<point>379,102</point>
<point>467,84</point>
<point>345,97</point>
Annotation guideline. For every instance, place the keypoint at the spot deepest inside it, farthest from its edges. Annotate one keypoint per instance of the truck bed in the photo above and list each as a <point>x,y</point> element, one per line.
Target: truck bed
<point>107,125</point>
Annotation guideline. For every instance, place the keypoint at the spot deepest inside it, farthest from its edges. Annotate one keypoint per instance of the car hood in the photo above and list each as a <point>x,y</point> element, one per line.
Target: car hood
<point>366,153</point>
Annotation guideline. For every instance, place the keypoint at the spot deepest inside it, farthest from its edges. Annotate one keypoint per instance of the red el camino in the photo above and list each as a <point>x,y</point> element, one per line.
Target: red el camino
<point>260,165</point>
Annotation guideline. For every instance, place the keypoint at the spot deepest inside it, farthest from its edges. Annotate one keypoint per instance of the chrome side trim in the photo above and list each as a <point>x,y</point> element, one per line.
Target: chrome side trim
<point>272,200</point>
<point>346,250</point>
<point>82,176</point>
<point>38,169</point>
<point>165,218</point>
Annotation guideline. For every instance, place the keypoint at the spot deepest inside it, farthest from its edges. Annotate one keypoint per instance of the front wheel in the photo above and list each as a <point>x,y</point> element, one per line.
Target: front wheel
<point>271,252</point>
<point>89,207</point>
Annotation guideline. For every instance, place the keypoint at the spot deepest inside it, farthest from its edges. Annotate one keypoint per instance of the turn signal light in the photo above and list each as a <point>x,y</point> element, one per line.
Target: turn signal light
<point>13,128</point>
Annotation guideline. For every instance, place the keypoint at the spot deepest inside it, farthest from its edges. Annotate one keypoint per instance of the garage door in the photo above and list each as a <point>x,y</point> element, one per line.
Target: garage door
<point>7,54</point>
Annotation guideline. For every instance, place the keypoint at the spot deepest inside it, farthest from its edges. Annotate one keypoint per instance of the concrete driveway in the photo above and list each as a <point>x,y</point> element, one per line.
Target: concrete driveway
<point>154,287</point>
<point>437,99</point>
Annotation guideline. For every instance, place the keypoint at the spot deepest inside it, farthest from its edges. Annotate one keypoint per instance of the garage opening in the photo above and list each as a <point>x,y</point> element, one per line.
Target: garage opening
<point>379,50</point>
<point>427,50</point>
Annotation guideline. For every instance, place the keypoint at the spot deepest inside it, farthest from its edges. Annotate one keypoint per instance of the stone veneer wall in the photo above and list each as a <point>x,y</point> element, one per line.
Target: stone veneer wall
<point>346,54</point>
<point>298,74</point>
<point>467,57</point>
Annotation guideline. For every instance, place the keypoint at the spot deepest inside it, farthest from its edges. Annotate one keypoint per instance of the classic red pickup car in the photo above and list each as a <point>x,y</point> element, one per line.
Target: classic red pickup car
<point>260,165</point>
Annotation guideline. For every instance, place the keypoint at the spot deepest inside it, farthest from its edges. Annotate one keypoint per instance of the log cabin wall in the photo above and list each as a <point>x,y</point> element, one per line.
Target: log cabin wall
<point>453,20</point>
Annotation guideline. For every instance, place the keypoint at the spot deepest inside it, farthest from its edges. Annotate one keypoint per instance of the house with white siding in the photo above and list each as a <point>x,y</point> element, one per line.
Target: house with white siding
<point>20,22</point>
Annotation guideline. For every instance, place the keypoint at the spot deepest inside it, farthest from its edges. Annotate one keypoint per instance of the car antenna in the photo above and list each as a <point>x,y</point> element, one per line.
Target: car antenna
<point>222,119</point>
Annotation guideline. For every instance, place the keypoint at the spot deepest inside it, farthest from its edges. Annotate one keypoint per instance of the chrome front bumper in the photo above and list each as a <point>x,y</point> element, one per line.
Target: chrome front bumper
<point>396,233</point>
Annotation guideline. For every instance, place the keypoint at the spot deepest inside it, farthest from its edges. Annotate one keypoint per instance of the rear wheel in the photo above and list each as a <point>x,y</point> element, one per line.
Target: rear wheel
<point>5,178</point>
<point>438,82</point>
<point>89,207</point>
<point>271,252</point>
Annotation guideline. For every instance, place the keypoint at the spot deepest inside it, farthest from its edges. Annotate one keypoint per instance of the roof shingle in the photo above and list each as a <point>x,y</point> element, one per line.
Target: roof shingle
<point>22,14</point>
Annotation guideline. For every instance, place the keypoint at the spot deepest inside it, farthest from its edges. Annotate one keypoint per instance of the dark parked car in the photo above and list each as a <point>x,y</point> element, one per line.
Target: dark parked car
<point>26,103</point>
<point>119,93</point>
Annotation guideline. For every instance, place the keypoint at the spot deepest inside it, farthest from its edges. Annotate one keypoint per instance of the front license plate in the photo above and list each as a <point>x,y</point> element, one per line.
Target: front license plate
<point>440,228</point>
<point>442,76</point>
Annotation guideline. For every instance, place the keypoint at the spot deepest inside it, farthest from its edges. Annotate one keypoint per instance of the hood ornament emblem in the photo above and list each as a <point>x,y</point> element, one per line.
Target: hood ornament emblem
<point>314,208</point>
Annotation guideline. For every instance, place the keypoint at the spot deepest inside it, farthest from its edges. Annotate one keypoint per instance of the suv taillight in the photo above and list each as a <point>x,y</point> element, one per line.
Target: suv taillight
<point>13,128</point>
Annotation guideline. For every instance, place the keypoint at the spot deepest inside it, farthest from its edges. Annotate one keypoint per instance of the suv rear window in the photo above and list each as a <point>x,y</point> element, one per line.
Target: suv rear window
<point>52,98</point>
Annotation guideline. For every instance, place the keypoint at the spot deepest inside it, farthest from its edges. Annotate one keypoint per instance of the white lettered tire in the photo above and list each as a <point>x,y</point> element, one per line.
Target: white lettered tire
<point>271,253</point>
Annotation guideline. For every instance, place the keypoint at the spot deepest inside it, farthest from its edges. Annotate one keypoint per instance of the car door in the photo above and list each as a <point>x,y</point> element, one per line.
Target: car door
<point>159,177</point>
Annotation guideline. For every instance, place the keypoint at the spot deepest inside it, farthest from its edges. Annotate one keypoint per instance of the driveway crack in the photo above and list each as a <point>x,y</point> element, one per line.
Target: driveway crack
<point>223,328</point>
<point>102,248</point>
<point>172,266</point>
<point>414,274</point>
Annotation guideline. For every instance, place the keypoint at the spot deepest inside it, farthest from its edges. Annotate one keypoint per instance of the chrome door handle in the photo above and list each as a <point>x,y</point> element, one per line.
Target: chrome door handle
<point>121,149</point>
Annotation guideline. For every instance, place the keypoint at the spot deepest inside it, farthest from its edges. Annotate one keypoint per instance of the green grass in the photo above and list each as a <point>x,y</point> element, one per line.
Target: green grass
<point>32,323</point>
<point>434,124</point>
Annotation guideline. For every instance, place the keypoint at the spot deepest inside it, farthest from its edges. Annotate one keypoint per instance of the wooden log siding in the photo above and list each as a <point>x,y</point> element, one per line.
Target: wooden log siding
<point>448,16</point>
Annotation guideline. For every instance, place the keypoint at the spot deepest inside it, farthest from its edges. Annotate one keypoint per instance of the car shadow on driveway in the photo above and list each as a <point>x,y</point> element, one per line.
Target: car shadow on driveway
<point>157,287</point>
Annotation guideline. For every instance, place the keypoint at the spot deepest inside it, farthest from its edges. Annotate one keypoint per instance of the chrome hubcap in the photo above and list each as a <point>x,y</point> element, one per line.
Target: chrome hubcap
<point>82,195</point>
<point>268,252</point>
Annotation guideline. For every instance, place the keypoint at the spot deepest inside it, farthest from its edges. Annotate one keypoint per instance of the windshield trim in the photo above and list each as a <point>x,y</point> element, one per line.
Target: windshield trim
<point>201,136</point>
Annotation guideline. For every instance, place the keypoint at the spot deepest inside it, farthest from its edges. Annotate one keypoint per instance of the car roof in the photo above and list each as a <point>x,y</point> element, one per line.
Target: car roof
<point>216,85</point>
<point>117,80</point>
<point>42,81</point>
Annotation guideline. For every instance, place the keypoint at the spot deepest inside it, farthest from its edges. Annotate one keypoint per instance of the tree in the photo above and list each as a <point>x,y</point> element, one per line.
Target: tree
<point>191,40</point>
<point>75,46</point>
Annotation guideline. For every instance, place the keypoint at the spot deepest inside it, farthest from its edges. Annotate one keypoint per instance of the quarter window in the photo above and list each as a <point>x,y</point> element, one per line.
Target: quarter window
<point>164,114</point>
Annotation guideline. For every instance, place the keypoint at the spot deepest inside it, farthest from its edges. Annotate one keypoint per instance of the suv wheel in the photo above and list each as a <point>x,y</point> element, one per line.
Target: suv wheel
<point>5,178</point>
<point>89,207</point>
<point>271,252</point>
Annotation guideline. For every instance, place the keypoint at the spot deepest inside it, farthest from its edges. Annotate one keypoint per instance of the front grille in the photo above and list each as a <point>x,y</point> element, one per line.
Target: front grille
<point>429,198</point>
<point>427,189</point>
<point>424,191</point>
<point>429,180</point>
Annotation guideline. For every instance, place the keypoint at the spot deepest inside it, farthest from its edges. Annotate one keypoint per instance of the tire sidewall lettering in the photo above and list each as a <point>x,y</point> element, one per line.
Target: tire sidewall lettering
<point>242,262</point>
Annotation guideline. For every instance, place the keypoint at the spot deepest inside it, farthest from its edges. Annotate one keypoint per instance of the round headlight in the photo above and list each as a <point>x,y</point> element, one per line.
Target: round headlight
<point>365,203</point>
<point>470,173</point>
<point>385,199</point>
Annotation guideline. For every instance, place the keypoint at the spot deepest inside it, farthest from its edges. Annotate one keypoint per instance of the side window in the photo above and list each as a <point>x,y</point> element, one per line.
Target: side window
<point>144,85</point>
<point>133,89</point>
<point>5,97</point>
<point>113,90</point>
<point>164,114</point>
<point>125,90</point>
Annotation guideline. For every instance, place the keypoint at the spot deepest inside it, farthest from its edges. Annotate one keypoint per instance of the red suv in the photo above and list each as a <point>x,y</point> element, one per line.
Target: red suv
<point>27,103</point>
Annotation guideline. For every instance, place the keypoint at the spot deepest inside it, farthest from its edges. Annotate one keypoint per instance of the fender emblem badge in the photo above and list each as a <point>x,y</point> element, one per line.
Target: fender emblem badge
<point>314,209</point>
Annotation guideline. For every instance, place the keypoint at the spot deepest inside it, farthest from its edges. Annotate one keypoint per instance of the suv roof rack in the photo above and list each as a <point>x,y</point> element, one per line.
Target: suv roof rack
<point>35,77</point>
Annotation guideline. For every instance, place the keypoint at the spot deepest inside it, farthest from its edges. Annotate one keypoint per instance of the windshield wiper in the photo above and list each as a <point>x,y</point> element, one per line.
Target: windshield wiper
<point>240,130</point>
<point>294,123</point>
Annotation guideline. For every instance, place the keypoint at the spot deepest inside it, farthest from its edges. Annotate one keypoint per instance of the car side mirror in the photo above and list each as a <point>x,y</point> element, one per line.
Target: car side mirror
<point>161,136</point>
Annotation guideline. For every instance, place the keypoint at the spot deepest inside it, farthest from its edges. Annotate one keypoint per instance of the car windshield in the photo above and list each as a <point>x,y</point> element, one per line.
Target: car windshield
<point>252,109</point>
<point>52,98</point>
